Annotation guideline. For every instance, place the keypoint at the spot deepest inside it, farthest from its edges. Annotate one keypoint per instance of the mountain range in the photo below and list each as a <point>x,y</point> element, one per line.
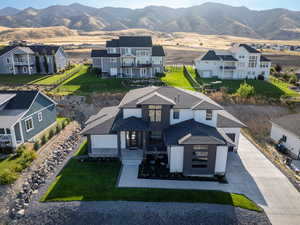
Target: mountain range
<point>208,18</point>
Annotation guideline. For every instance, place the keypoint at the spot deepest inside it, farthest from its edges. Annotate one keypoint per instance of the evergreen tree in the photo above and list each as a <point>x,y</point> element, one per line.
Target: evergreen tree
<point>37,64</point>
<point>46,64</point>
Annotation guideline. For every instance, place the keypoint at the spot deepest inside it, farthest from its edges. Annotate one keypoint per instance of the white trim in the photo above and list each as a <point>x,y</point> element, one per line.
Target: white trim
<point>21,131</point>
<point>27,130</point>
<point>40,116</point>
<point>50,99</point>
<point>42,131</point>
<point>37,111</point>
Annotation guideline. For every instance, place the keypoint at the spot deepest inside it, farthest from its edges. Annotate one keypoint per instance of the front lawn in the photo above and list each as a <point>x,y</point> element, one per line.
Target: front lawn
<point>96,181</point>
<point>86,82</point>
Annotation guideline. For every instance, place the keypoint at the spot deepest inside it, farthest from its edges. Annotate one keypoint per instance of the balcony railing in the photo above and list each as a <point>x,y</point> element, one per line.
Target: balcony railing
<point>127,65</point>
<point>5,138</point>
<point>228,67</point>
<point>143,65</point>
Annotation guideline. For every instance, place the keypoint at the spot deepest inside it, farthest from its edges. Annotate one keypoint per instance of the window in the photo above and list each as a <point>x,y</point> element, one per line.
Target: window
<point>128,51</point>
<point>40,116</point>
<point>29,124</point>
<point>209,114</point>
<point>252,61</point>
<point>111,50</point>
<point>25,69</point>
<point>142,53</point>
<point>7,60</point>
<point>8,131</point>
<point>176,114</point>
<point>200,156</point>
<point>284,138</point>
<point>2,131</point>
<point>154,113</point>
<point>113,60</point>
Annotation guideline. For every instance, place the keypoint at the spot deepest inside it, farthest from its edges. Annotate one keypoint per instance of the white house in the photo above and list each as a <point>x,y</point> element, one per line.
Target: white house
<point>286,130</point>
<point>239,62</point>
<point>190,130</point>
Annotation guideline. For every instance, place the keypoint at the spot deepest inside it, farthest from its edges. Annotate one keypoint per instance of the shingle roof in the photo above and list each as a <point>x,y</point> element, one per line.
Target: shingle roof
<point>204,105</point>
<point>40,49</point>
<point>192,132</point>
<point>10,117</point>
<point>130,41</point>
<point>103,53</point>
<point>155,99</point>
<point>6,97</point>
<point>22,100</point>
<point>130,124</point>
<point>249,48</point>
<point>158,50</point>
<point>212,55</point>
<point>225,119</point>
<point>229,58</point>
<point>102,122</point>
<point>290,123</point>
<point>264,59</point>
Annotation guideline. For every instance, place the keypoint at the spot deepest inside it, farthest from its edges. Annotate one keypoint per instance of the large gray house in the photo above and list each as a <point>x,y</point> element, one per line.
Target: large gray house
<point>130,56</point>
<point>32,59</point>
<point>191,130</point>
<point>24,115</point>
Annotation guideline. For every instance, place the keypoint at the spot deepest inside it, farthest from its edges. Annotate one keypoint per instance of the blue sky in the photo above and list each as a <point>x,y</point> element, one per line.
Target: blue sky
<point>252,4</point>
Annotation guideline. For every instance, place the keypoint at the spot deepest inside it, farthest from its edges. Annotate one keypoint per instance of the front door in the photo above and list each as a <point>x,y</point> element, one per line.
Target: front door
<point>143,72</point>
<point>132,139</point>
<point>199,159</point>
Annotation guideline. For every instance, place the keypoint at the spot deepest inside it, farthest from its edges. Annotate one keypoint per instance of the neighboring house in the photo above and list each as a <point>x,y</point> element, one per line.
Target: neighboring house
<point>193,131</point>
<point>286,130</point>
<point>32,59</point>
<point>23,115</point>
<point>239,62</point>
<point>130,56</point>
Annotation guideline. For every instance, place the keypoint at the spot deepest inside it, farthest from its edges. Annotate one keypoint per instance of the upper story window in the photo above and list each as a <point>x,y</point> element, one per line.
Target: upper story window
<point>2,131</point>
<point>176,114</point>
<point>29,124</point>
<point>128,51</point>
<point>113,60</point>
<point>142,52</point>
<point>209,114</point>
<point>112,50</point>
<point>7,60</point>
<point>155,113</point>
<point>252,61</point>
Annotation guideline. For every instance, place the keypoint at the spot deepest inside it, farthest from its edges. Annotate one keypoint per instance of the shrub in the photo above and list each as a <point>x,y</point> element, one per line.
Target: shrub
<point>44,140</point>
<point>159,75</point>
<point>57,129</point>
<point>51,134</point>
<point>37,145</point>
<point>20,150</point>
<point>261,77</point>
<point>245,90</point>
<point>293,78</point>
<point>8,176</point>
<point>26,158</point>
<point>278,68</point>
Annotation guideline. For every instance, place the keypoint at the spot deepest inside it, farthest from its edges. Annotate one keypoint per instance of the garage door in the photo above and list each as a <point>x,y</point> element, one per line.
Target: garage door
<point>113,71</point>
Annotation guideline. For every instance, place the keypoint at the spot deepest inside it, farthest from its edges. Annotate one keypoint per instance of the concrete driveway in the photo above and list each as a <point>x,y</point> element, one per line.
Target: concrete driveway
<point>249,173</point>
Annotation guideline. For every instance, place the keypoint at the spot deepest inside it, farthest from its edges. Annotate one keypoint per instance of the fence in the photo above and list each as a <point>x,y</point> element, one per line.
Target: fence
<point>192,80</point>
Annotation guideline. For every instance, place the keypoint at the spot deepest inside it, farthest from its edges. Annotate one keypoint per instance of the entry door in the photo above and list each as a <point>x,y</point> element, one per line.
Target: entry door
<point>143,72</point>
<point>199,159</point>
<point>132,139</point>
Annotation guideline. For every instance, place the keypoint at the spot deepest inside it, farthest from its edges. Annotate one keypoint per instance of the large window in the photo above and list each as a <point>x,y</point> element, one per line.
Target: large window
<point>209,114</point>
<point>252,61</point>
<point>29,124</point>
<point>142,53</point>
<point>176,114</point>
<point>154,113</point>
<point>200,156</point>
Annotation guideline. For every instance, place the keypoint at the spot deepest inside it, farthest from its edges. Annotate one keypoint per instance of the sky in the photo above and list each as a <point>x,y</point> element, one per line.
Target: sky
<point>252,4</point>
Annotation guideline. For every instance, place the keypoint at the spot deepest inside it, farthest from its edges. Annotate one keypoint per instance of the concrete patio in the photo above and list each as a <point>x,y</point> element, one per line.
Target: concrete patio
<point>249,173</point>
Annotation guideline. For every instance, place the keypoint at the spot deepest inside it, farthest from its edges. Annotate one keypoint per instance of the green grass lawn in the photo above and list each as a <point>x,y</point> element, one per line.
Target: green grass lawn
<point>176,78</point>
<point>86,82</point>
<point>283,87</point>
<point>96,181</point>
<point>20,79</point>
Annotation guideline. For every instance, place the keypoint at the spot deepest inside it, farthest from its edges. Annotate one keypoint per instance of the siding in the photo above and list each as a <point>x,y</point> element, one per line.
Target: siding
<point>221,160</point>
<point>104,141</point>
<point>176,159</point>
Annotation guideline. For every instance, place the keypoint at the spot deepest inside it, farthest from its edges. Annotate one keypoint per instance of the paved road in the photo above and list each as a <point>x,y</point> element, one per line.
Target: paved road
<point>249,173</point>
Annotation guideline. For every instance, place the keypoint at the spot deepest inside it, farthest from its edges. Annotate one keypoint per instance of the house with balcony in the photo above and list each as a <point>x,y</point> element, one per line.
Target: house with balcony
<point>191,131</point>
<point>32,59</point>
<point>23,116</point>
<point>239,62</point>
<point>130,56</point>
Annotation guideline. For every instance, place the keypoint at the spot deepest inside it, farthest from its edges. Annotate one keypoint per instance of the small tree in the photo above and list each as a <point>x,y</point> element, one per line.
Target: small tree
<point>37,145</point>
<point>46,64</point>
<point>37,64</point>
<point>44,140</point>
<point>51,133</point>
<point>245,90</point>
<point>54,62</point>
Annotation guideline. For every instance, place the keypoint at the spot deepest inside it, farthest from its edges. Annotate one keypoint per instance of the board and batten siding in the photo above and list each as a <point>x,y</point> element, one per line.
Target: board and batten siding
<point>48,110</point>
<point>176,154</point>
<point>292,141</point>
<point>184,114</point>
<point>221,160</point>
<point>132,113</point>
<point>104,141</point>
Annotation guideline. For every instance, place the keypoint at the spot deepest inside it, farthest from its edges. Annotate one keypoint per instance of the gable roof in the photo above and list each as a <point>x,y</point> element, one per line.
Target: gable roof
<point>249,48</point>
<point>155,99</point>
<point>158,50</point>
<point>225,119</point>
<point>264,59</point>
<point>40,49</point>
<point>212,55</point>
<point>290,123</point>
<point>130,41</point>
<point>21,100</point>
<point>192,132</point>
<point>6,97</point>
<point>103,53</point>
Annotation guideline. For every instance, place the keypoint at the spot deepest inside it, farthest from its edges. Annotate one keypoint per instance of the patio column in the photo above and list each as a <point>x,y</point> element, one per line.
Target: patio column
<point>119,145</point>
<point>13,63</point>
<point>28,63</point>
<point>13,137</point>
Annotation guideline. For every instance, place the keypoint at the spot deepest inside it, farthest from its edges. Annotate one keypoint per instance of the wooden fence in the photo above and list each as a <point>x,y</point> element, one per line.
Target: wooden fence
<point>192,80</point>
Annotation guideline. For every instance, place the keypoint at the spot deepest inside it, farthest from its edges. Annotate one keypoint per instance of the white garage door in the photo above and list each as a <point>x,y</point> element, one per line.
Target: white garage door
<point>113,71</point>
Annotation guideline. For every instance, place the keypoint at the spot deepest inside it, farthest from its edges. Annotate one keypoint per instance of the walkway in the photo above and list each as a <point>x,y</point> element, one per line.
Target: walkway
<point>249,173</point>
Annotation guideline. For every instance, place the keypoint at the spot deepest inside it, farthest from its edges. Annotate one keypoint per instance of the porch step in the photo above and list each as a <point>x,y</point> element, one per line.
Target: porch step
<point>131,162</point>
